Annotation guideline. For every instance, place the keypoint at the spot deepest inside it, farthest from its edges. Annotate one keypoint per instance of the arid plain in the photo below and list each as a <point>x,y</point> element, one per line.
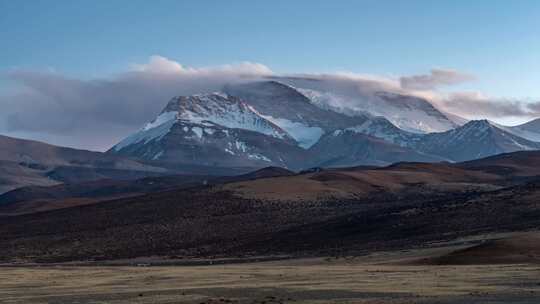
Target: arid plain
<point>406,276</point>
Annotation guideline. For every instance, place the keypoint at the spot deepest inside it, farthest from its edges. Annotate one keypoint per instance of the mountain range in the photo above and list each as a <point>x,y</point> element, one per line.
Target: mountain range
<point>291,124</point>
<point>270,123</point>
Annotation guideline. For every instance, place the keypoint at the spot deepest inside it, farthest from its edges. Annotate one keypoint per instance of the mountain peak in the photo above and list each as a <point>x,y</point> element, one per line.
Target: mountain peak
<point>222,110</point>
<point>198,102</point>
<point>279,94</point>
<point>479,122</point>
<point>479,125</point>
<point>197,118</point>
<point>475,139</point>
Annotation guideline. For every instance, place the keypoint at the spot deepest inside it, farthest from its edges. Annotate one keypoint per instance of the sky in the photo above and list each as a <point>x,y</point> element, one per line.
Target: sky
<point>69,58</point>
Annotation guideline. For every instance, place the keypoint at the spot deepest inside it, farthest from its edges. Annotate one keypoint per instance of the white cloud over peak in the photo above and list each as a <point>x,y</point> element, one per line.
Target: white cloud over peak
<point>161,65</point>
<point>474,104</point>
<point>435,79</point>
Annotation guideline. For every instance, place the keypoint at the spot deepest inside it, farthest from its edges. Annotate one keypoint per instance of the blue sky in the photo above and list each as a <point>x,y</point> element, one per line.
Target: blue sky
<point>66,67</point>
<point>497,41</point>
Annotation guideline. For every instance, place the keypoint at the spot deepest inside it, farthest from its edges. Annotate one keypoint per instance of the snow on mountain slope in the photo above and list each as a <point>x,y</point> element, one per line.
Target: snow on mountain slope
<point>308,107</point>
<point>475,139</point>
<point>285,104</point>
<point>306,136</point>
<point>381,128</point>
<point>226,111</point>
<point>212,130</point>
<point>308,114</point>
<point>207,110</point>
<point>217,146</point>
<point>409,113</point>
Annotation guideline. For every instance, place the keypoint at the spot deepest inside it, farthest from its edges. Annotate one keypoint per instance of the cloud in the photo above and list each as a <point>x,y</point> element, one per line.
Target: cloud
<point>74,112</point>
<point>436,78</point>
<point>348,84</point>
<point>165,66</point>
<point>97,113</point>
<point>476,105</point>
<point>159,64</point>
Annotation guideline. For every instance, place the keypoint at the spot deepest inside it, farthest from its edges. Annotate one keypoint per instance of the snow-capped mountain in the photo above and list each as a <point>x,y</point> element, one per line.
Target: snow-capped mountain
<point>208,111</point>
<point>475,139</point>
<point>268,123</point>
<point>292,111</point>
<point>211,129</point>
<point>381,128</point>
<point>412,113</point>
<point>264,123</point>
